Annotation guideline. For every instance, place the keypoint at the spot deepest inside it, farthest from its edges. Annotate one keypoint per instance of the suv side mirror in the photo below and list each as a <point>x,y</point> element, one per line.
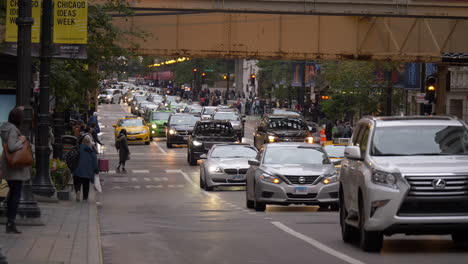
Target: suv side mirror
<point>353,152</point>
<point>254,162</point>
<point>203,156</point>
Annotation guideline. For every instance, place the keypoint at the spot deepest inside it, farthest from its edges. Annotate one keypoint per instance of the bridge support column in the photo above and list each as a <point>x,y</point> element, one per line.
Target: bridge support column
<point>441,96</point>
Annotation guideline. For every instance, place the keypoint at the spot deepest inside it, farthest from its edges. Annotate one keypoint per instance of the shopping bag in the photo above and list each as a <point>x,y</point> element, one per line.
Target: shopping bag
<point>103,165</point>
<point>97,183</point>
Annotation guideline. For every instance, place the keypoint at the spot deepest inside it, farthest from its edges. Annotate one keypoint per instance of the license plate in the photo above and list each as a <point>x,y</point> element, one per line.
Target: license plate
<point>300,190</point>
<point>132,138</point>
<point>185,137</point>
<point>237,177</point>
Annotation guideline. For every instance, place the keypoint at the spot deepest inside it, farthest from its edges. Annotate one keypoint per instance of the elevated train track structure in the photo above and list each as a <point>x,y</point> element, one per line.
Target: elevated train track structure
<point>399,30</point>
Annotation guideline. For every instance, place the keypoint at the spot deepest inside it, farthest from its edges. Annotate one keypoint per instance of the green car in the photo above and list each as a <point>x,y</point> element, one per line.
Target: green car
<point>157,122</point>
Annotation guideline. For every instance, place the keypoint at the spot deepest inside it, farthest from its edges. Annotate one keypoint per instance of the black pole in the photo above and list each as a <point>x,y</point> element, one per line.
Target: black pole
<point>301,92</point>
<point>422,89</point>
<point>42,184</point>
<point>28,209</point>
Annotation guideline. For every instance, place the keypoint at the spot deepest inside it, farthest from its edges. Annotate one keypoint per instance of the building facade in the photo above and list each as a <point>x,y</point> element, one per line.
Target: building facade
<point>457,96</point>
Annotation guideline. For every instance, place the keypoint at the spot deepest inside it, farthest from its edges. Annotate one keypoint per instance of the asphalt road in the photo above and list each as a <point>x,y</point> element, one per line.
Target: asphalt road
<point>156,213</point>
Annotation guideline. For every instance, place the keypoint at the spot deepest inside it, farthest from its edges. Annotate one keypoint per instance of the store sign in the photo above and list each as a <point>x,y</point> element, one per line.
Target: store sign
<point>11,34</point>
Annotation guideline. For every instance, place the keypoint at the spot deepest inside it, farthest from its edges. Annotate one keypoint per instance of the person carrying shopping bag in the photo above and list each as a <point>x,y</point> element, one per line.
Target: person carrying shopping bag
<point>124,153</point>
<point>14,144</point>
<point>86,169</point>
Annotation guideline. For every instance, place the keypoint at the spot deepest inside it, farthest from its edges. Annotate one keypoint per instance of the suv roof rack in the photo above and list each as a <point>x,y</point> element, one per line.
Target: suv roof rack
<point>397,118</point>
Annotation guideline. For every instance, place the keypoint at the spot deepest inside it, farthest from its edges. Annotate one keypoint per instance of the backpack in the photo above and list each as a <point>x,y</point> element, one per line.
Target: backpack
<point>72,158</point>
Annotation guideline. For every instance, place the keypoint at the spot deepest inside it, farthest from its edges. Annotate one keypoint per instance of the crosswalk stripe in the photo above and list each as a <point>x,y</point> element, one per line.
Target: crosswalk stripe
<point>153,186</point>
<point>140,171</point>
<point>180,186</point>
<point>134,179</point>
<point>147,179</point>
<point>157,179</point>
<point>165,179</point>
<point>170,186</point>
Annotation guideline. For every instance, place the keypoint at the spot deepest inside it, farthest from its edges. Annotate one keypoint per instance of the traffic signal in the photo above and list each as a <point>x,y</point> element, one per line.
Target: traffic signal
<point>195,71</point>
<point>226,77</point>
<point>252,79</point>
<point>203,78</point>
<point>325,97</point>
<point>431,87</point>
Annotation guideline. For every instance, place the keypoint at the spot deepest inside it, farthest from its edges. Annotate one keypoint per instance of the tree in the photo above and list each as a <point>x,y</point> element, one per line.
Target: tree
<point>274,80</point>
<point>75,81</point>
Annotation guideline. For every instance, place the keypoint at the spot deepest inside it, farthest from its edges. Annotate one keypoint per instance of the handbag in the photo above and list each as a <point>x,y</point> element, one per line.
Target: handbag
<point>20,158</point>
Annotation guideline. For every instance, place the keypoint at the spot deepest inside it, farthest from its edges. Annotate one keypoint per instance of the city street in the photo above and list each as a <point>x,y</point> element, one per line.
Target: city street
<point>157,213</point>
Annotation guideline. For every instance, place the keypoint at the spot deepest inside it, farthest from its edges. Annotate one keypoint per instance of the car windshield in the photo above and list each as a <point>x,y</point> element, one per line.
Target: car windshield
<point>104,93</point>
<point>226,116</point>
<point>140,98</point>
<point>295,155</point>
<point>233,151</point>
<point>208,111</point>
<point>171,98</point>
<point>285,112</point>
<point>287,124</point>
<point>195,110</point>
<point>131,122</point>
<point>162,115</point>
<point>335,151</point>
<point>214,129</point>
<point>184,120</point>
<point>420,141</point>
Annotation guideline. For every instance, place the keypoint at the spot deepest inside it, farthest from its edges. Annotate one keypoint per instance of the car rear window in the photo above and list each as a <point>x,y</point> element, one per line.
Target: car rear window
<point>213,129</point>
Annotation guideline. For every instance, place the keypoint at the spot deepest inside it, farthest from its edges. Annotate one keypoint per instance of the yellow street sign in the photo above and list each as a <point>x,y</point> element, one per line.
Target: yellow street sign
<point>11,34</point>
<point>70,21</point>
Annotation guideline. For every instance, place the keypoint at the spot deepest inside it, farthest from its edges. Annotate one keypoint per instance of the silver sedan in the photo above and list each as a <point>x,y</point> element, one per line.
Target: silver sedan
<point>226,165</point>
<point>291,173</point>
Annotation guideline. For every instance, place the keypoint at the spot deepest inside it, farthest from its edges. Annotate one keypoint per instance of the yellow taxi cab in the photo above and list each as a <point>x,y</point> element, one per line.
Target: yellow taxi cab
<point>137,129</point>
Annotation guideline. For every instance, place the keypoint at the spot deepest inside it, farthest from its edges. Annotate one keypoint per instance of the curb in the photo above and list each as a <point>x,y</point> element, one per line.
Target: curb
<point>94,232</point>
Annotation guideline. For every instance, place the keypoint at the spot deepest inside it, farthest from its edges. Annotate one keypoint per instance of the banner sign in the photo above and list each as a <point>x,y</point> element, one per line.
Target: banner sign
<point>298,70</point>
<point>70,28</point>
<point>11,15</point>
<point>71,22</point>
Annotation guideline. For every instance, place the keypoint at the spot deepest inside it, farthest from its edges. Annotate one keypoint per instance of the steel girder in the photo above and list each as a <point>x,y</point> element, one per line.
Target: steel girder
<point>399,8</point>
<point>299,37</point>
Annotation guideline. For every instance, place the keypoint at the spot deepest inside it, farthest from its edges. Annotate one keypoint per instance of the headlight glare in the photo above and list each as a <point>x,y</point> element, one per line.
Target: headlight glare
<point>215,169</point>
<point>330,179</point>
<point>310,140</point>
<point>172,131</point>
<point>270,178</point>
<point>197,143</point>
<point>271,139</point>
<point>154,126</point>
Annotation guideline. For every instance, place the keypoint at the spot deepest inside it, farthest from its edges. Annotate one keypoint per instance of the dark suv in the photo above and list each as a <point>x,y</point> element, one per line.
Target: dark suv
<point>206,134</point>
<point>282,128</point>
<point>179,127</point>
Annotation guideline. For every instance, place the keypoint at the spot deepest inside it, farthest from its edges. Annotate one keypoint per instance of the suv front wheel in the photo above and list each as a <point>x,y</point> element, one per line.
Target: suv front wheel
<point>349,233</point>
<point>371,241</point>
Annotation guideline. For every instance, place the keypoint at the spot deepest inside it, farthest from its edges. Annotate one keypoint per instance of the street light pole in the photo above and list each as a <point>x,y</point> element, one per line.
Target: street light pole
<point>28,209</point>
<point>42,184</point>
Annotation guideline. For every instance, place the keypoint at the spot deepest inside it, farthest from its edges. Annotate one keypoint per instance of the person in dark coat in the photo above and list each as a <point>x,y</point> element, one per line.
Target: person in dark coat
<point>14,141</point>
<point>124,153</point>
<point>87,168</point>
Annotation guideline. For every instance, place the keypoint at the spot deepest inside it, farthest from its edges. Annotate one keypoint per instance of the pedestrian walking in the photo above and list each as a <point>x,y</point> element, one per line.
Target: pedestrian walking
<point>13,141</point>
<point>87,167</point>
<point>122,147</point>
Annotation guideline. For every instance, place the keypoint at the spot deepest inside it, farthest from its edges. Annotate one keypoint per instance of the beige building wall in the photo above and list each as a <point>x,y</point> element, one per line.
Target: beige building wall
<point>457,97</point>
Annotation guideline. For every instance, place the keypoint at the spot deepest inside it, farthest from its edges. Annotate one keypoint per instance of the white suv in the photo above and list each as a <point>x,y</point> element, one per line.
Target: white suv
<point>405,175</point>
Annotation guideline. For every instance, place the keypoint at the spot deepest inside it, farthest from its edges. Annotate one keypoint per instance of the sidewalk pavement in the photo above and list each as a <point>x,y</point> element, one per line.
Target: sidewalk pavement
<point>71,234</point>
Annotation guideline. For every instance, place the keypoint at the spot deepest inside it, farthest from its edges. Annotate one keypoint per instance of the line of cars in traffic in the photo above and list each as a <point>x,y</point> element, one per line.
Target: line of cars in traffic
<point>397,175</point>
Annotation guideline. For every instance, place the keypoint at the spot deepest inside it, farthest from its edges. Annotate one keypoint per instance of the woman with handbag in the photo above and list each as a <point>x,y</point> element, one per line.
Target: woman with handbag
<point>16,163</point>
<point>124,153</point>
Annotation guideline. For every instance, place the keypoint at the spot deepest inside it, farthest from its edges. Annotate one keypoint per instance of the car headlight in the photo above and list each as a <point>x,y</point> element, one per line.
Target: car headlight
<point>172,131</point>
<point>270,178</point>
<point>215,169</point>
<point>330,179</point>
<point>272,139</point>
<point>385,178</point>
<point>197,143</point>
<point>310,140</point>
<point>154,126</point>
<point>136,108</point>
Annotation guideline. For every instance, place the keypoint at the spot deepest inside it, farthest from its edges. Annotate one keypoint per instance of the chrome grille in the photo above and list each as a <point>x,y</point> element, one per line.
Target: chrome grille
<point>425,186</point>
<point>183,132</point>
<point>235,171</point>
<point>310,179</point>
